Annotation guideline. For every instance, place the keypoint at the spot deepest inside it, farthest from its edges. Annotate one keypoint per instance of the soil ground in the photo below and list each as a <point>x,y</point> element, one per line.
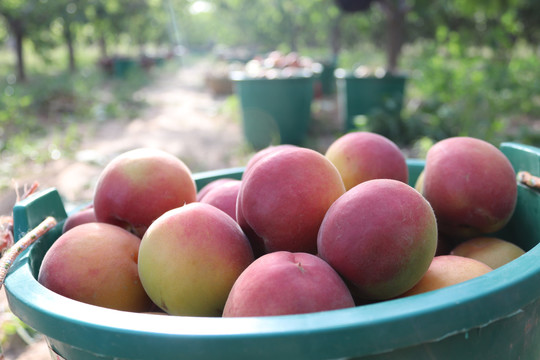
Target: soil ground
<point>183,118</point>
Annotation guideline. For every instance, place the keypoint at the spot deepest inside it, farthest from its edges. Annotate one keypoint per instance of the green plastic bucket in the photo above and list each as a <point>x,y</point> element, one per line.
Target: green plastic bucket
<point>363,95</point>
<point>275,111</point>
<point>122,66</point>
<point>495,316</point>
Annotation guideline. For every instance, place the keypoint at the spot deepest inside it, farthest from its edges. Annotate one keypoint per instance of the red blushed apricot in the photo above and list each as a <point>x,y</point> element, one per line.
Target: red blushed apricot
<point>190,257</point>
<point>285,196</point>
<point>256,241</point>
<point>285,283</point>
<point>361,156</point>
<point>211,185</point>
<point>223,196</point>
<point>138,186</point>
<point>471,186</point>
<point>490,250</point>
<point>381,236</point>
<point>446,270</point>
<point>79,217</point>
<point>96,263</point>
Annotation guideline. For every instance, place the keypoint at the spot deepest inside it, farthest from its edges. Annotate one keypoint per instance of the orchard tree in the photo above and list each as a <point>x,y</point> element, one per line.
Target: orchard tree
<point>3,30</point>
<point>529,17</point>
<point>98,15</point>
<point>491,23</point>
<point>395,15</point>
<point>496,24</point>
<point>138,21</point>
<point>112,19</point>
<point>24,18</point>
<point>71,16</point>
<point>247,22</point>
<point>149,23</point>
<point>270,24</point>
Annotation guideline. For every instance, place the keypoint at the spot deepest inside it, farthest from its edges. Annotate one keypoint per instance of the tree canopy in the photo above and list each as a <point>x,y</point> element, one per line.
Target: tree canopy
<point>263,25</point>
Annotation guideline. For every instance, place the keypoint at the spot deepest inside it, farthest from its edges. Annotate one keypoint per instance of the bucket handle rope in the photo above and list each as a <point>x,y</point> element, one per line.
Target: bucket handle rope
<point>528,179</point>
<point>15,250</point>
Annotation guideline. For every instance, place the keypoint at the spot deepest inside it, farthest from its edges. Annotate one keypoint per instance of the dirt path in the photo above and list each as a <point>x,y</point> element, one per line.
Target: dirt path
<point>182,118</point>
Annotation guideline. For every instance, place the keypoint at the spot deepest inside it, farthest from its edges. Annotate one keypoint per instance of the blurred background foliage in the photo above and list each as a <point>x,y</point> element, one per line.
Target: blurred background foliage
<point>472,65</point>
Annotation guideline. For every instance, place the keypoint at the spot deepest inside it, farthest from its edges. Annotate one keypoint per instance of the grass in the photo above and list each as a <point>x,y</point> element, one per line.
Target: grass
<point>15,334</point>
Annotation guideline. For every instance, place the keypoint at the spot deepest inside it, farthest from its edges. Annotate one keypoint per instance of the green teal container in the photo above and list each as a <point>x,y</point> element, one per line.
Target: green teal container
<point>159,61</point>
<point>275,111</point>
<point>495,316</point>
<point>122,66</point>
<point>363,95</point>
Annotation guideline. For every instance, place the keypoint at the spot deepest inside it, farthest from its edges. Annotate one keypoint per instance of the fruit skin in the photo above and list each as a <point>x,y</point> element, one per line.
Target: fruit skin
<point>79,217</point>
<point>223,196</point>
<point>446,270</point>
<point>285,283</point>
<point>285,196</point>
<point>264,152</point>
<point>419,184</point>
<point>205,189</point>
<point>361,156</point>
<point>471,186</point>
<point>380,236</point>
<point>190,257</point>
<point>493,251</point>
<point>257,243</point>
<point>138,186</point>
<point>96,263</point>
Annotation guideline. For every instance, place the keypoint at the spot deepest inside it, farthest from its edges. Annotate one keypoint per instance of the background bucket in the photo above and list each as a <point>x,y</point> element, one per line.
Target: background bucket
<point>363,95</point>
<point>495,316</point>
<point>122,66</point>
<point>275,111</point>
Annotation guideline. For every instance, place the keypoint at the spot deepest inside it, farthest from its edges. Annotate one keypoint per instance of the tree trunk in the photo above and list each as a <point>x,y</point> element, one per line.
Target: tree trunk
<point>102,46</point>
<point>396,29</point>
<point>395,11</point>
<point>21,72</point>
<point>289,23</point>
<point>293,33</point>
<point>68,36</point>
<point>17,30</point>
<point>294,39</point>
<point>335,37</point>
